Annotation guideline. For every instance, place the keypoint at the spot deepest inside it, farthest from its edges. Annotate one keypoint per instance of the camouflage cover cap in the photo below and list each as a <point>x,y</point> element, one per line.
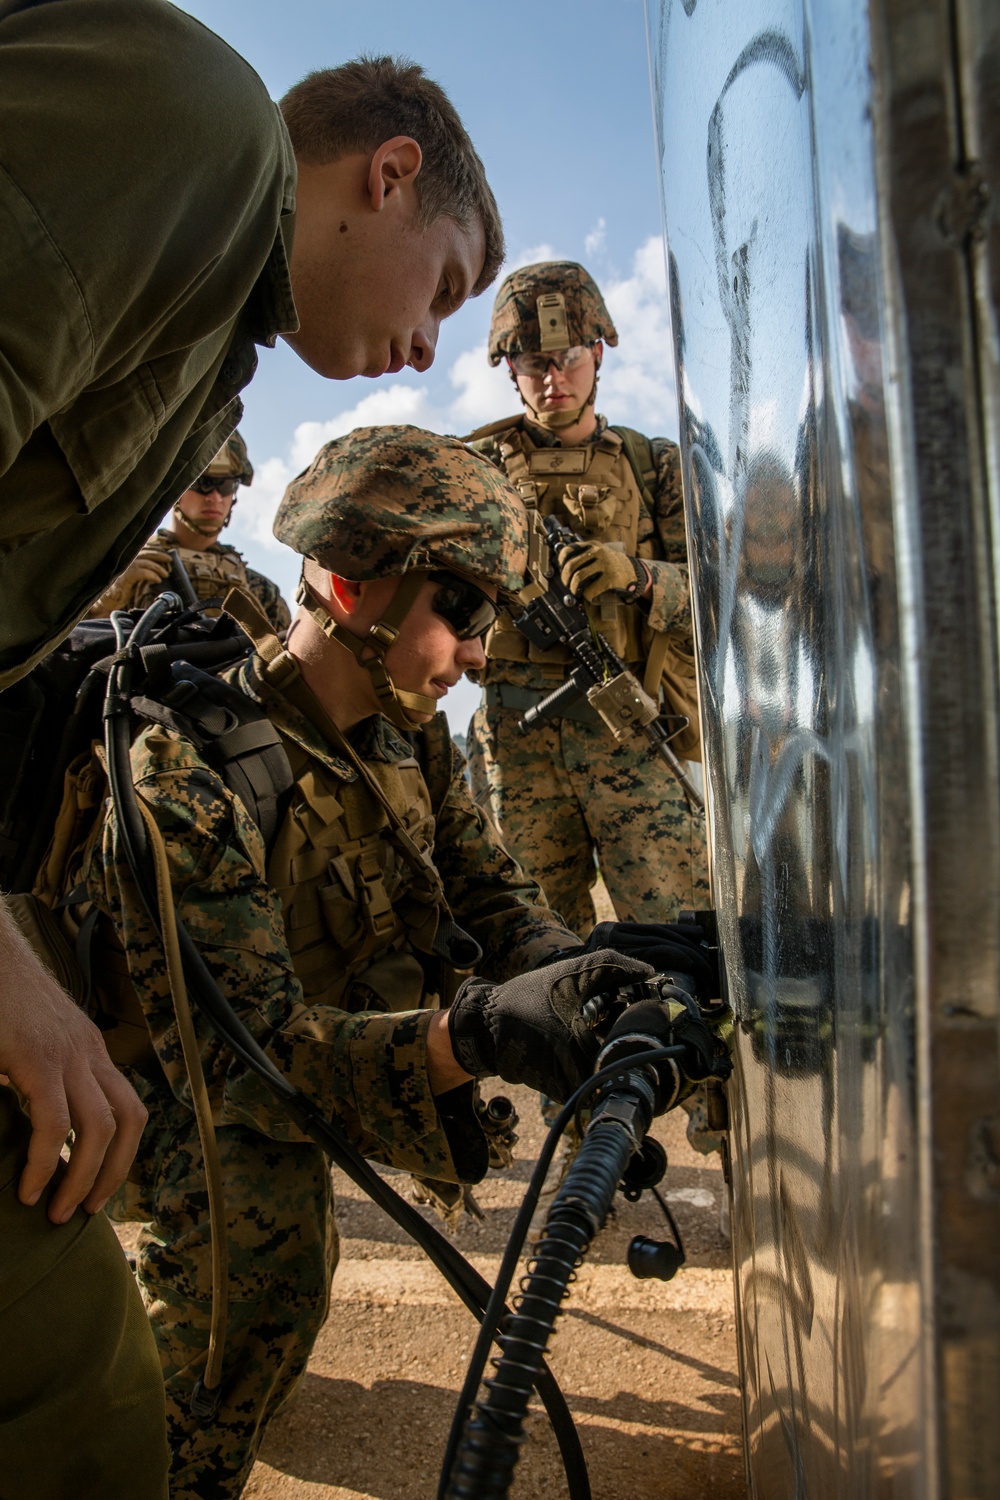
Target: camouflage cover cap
<point>232,458</point>
<point>515,327</point>
<point>383,500</point>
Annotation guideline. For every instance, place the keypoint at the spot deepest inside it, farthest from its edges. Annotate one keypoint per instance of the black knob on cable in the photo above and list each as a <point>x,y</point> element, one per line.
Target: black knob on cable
<point>648,1259</point>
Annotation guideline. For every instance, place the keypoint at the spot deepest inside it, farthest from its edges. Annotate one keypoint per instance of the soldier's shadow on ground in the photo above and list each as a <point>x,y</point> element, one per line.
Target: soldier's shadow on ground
<point>364,1221</point>
<point>387,1441</point>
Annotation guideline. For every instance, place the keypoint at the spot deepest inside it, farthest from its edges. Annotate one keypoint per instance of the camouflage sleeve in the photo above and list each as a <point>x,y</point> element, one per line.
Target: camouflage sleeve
<point>368,1071</point>
<point>489,893</point>
<point>665,548</point>
<point>268,596</point>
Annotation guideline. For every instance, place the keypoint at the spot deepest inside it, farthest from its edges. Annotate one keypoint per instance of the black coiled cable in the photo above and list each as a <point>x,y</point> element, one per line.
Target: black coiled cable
<point>480,1464</point>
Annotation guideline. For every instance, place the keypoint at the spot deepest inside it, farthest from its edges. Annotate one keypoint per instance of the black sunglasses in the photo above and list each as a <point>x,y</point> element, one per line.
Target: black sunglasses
<point>463,604</point>
<point>207,483</point>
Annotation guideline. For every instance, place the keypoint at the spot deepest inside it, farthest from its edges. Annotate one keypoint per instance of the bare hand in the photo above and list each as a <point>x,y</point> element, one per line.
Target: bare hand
<point>55,1056</point>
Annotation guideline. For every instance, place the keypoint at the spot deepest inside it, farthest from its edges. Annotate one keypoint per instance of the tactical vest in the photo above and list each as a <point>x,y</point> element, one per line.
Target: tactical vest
<point>357,915</point>
<point>359,923</point>
<point>593,490</point>
<point>212,572</point>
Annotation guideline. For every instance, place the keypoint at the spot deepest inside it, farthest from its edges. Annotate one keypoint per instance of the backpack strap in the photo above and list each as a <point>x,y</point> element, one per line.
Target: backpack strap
<point>639,452</point>
<point>234,735</point>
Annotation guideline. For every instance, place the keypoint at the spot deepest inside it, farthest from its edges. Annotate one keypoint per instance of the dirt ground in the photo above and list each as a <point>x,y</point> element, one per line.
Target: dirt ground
<point>648,1368</point>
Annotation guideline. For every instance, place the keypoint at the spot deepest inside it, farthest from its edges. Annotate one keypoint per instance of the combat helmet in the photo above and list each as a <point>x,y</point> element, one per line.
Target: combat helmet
<point>232,458</point>
<point>387,501</point>
<point>231,462</point>
<point>553,304</point>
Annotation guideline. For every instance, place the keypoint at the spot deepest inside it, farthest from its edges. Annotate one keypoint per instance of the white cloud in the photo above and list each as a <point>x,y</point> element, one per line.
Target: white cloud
<point>529,256</point>
<point>387,406</point>
<point>484,394</point>
<point>594,242</point>
<point>637,381</point>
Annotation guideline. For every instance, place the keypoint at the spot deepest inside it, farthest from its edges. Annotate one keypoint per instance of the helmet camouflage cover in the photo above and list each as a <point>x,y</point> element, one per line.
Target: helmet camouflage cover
<point>232,458</point>
<point>572,311</point>
<point>385,500</point>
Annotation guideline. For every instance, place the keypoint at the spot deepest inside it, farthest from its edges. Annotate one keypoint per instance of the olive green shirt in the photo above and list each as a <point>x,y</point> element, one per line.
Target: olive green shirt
<point>146,208</point>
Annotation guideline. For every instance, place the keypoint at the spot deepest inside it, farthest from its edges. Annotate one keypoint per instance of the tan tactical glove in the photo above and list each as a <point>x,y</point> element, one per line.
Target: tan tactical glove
<point>150,566</point>
<point>593,569</point>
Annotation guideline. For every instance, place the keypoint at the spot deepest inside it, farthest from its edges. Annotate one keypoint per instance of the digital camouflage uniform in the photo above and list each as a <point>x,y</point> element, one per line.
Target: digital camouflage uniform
<point>213,569</point>
<point>565,790</point>
<point>322,945</point>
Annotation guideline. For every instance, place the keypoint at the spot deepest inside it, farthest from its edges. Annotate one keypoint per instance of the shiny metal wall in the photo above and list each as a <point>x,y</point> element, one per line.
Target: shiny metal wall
<point>833,264</point>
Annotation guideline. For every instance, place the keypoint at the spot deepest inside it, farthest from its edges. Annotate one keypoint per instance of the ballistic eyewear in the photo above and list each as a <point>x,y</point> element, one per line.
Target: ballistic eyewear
<point>225,484</point>
<point>466,608</point>
<point>537,365</point>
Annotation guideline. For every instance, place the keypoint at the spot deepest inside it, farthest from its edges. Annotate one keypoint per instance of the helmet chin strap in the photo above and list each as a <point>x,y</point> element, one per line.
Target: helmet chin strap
<point>369,650</point>
<point>555,421</point>
<point>201,528</point>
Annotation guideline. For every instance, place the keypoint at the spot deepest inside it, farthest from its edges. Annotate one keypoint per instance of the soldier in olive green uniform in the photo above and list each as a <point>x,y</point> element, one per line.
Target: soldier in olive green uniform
<point>148,190</point>
<point>334,943</point>
<point>565,791</point>
<point>213,568</point>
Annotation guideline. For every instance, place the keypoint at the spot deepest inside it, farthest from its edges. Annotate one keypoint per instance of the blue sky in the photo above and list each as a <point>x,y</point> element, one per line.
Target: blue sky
<point>557,101</point>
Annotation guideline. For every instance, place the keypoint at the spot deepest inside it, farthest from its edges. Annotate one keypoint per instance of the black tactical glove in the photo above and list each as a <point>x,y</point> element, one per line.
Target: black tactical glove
<point>530,1029</point>
<point>673,1018</point>
<point>670,947</point>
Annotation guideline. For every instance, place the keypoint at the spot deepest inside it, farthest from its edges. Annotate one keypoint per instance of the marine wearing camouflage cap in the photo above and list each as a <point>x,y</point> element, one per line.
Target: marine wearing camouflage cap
<point>386,500</point>
<point>398,500</point>
<point>552,304</point>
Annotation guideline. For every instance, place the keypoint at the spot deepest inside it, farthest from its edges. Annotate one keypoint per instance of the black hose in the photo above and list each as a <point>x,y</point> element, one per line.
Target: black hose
<point>484,1447</point>
<point>473,1290</point>
<point>491,1442</point>
<point>496,1308</point>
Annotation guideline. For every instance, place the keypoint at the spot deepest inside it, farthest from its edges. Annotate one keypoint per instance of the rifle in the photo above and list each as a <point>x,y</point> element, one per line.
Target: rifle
<point>554,617</point>
<point>181,579</point>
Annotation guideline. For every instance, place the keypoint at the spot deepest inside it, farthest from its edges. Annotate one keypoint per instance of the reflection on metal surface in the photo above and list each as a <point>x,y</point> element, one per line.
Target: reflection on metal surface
<point>832,312</point>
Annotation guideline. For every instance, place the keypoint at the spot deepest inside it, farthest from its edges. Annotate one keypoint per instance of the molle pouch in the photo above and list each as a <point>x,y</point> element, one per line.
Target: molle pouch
<point>357,911</point>
<point>671,665</point>
<point>343,922</point>
<point>591,507</point>
<point>84,786</point>
<point>504,641</point>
